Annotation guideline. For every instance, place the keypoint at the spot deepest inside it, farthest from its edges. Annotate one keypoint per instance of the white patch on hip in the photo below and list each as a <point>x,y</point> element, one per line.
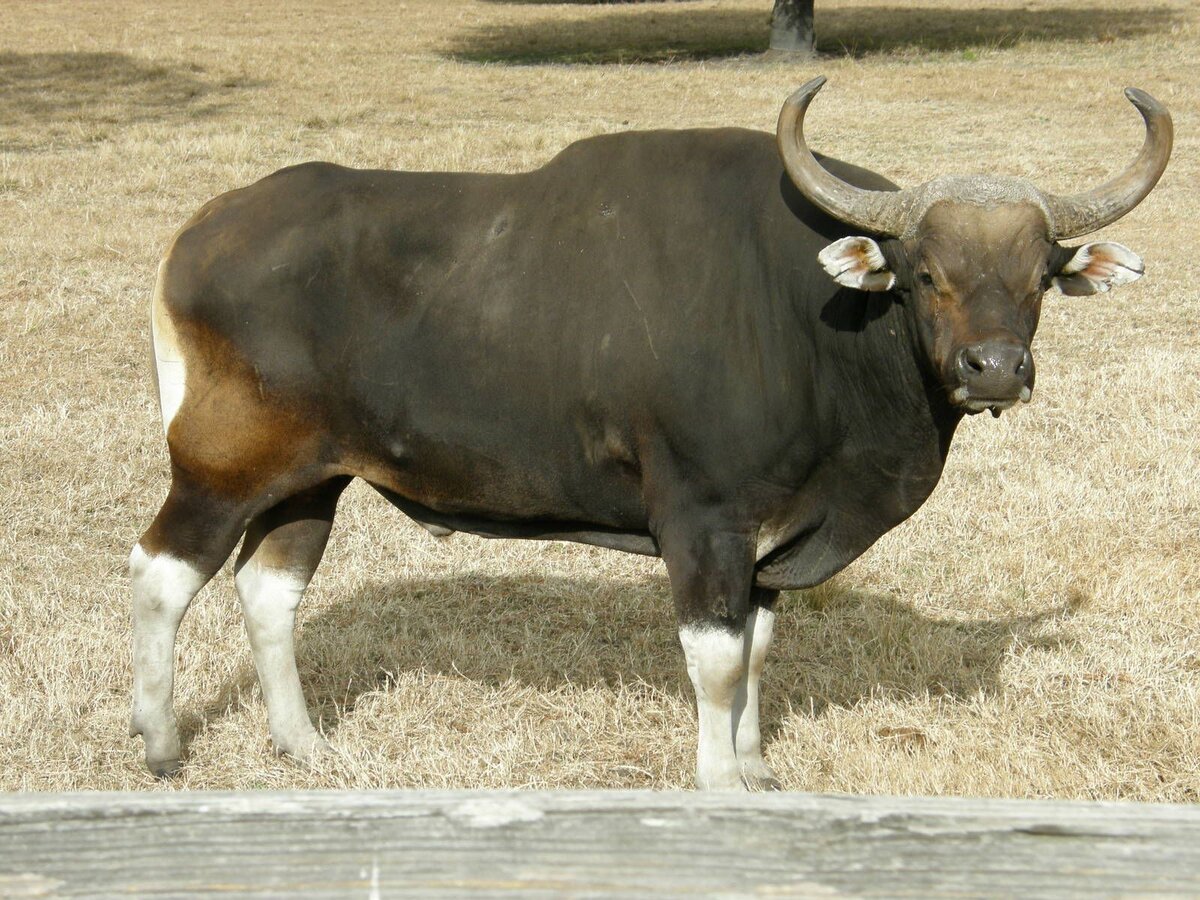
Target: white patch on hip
<point>168,359</point>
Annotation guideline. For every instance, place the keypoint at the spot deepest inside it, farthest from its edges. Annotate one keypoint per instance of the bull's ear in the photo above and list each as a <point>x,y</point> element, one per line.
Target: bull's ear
<point>857,262</point>
<point>1097,268</point>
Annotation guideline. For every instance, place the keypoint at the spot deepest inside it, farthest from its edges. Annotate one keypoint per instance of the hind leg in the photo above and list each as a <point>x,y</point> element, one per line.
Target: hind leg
<point>187,543</point>
<point>281,552</point>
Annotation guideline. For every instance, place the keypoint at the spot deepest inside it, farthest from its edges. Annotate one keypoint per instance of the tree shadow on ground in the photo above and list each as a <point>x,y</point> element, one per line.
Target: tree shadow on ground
<point>55,99</point>
<point>580,2</point>
<point>835,646</point>
<point>651,33</point>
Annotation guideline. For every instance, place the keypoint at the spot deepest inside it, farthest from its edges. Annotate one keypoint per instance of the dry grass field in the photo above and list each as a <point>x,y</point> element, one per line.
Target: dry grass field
<point>1045,644</point>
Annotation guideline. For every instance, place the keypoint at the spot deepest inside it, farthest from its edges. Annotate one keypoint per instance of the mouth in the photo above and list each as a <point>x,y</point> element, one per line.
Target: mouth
<point>961,397</point>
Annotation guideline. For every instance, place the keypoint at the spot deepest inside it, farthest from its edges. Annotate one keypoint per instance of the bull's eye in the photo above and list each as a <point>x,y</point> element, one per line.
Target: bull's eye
<point>925,278</point>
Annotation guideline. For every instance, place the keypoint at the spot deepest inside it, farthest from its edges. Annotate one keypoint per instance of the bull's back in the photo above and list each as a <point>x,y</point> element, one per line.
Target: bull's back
<point>373,323</point>
<point>498,344</point>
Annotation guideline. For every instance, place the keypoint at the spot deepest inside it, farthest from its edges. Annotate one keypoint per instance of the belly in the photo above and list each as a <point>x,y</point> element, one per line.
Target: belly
<point>486,470</point>
<point>613,538</point>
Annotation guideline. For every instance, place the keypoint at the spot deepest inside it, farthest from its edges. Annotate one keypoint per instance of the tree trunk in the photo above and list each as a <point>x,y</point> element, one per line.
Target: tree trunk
<point>792,28</point>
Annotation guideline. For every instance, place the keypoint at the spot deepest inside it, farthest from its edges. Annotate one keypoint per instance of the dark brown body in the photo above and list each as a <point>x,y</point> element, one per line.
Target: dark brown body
<point>637,346</point>
<point>536,355</point>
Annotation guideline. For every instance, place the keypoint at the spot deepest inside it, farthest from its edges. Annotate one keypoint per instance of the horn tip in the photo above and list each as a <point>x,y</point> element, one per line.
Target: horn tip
<point>1143,100</point>
<point>803,96</point>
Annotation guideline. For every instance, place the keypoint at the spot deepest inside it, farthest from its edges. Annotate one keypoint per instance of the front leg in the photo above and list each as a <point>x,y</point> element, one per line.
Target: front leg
<point>760,627</point>
<point>711,571</point>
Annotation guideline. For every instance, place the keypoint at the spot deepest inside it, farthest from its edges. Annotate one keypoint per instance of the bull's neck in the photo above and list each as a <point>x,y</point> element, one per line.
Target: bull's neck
<point>877,379</point>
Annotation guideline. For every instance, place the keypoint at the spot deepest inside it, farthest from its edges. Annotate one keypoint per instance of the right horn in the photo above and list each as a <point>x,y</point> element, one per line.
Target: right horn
<point>882,212</point>
<point>1079,214</point>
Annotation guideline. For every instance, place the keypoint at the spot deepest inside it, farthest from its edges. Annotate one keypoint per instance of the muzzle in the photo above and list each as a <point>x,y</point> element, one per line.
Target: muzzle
<point>992,374</point>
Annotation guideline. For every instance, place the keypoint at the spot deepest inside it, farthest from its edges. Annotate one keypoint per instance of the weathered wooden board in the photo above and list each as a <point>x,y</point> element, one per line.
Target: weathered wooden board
<point>588,844</point>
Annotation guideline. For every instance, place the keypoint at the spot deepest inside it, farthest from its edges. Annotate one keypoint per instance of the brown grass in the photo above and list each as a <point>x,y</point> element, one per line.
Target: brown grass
<point>1033,631</point>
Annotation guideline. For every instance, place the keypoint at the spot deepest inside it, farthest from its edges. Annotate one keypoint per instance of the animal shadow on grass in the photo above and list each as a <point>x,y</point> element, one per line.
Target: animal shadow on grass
<point>56,99</point>
<point>654,33</point>
<point>834,646</point>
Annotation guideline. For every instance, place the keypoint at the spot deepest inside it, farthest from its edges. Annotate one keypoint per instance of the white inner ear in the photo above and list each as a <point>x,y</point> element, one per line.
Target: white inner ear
<point>1097,268</point>
<point>857,262</point>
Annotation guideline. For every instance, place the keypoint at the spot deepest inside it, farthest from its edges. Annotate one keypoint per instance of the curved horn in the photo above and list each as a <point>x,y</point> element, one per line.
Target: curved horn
<point>882,212</point>
<point>1079,214</point>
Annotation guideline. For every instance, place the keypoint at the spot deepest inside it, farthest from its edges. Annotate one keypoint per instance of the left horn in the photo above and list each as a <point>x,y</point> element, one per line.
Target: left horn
<point>882,212</point>
<point>1079,214</point>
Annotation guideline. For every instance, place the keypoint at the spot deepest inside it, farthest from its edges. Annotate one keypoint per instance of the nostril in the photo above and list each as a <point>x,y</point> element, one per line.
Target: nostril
<point>971,361</point>
<point>1024,364</point>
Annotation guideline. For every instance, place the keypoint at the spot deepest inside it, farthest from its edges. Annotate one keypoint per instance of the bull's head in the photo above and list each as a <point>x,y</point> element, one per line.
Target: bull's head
<point>974,255</point>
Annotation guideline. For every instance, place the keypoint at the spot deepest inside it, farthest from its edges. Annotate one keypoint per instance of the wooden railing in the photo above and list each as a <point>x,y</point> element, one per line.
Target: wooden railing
<point>588,844</point>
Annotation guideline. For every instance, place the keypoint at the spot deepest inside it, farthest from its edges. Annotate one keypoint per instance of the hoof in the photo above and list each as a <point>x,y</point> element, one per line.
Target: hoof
<point>759,783</point>
<point>757,776</point>
<point>163,768</point>
<point>162,747</point>
<point>308,750</point>
<point>720,781</point>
